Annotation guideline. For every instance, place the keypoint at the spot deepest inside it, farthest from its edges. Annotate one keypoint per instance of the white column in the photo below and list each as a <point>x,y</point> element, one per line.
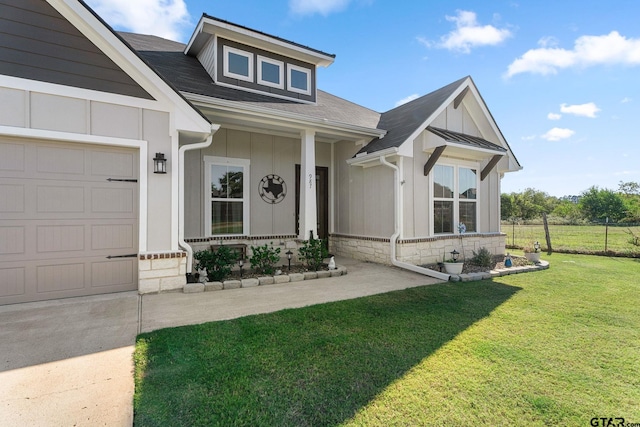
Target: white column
<point>308,209</point>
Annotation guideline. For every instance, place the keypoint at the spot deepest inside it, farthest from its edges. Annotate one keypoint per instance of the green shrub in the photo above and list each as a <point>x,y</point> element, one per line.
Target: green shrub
<point>312,253</point>
<point>482,258</point>
<point>264,258</point>
<point>218,263</point>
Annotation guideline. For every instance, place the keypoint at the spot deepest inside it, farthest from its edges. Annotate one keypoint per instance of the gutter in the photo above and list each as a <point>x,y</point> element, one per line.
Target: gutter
<point>188,147</point>
<point>394,238</point>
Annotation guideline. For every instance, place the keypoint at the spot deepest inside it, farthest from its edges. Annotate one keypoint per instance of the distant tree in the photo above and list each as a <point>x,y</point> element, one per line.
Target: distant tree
<point>507,206</point>
<point>568,210</point>
<point>631,197</point>
<point>597,204</point>
<point>629,188</point>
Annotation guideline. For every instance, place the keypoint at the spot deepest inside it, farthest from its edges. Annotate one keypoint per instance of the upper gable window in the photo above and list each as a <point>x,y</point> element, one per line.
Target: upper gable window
<point>238,64</point>
<point>299,79</point>
<point>270,72</point>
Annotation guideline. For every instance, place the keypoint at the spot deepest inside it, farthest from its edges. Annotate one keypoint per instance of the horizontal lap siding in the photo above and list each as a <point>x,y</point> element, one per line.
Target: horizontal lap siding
<point>37,43</point>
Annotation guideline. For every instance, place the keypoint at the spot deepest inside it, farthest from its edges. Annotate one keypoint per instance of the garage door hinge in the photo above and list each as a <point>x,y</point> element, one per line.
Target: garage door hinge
<point>122,256</point>
<point>122,180</point>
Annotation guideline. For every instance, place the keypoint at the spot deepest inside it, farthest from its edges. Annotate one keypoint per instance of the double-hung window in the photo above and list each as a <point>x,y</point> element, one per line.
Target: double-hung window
<point>455,197</point>
<point>226,196</point>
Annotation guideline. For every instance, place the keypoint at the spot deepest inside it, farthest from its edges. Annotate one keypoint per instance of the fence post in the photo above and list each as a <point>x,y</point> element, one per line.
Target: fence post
<point>546,233</point>
<point>606,234</point>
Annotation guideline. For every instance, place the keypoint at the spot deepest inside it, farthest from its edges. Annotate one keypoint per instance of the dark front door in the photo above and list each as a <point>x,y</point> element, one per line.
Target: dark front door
<point>322,201</point>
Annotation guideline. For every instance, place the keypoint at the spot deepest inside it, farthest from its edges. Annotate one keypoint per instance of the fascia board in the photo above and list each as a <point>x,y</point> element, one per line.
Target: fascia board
<point>168,99</point>
<point>300,120</point>
<point>407,146</point>
<point>362,160</point>
<point>263,41</point>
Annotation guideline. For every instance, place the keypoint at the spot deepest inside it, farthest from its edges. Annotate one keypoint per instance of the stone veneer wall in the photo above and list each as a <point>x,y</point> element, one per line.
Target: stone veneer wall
<point>415,251</point>
<point>162,272</point>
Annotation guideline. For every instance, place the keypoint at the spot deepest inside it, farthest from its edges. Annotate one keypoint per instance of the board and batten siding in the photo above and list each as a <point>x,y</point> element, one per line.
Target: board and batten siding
<point>268,154</point>
<point>38,43</point>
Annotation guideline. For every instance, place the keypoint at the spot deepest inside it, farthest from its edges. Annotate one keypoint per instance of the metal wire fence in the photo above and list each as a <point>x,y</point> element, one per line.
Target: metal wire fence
<point>597,238</point>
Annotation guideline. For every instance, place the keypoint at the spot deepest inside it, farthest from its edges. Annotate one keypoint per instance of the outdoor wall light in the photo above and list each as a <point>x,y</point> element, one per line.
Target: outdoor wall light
<point>454,255</point>
<point>159,163</point>
<point>289,253</point>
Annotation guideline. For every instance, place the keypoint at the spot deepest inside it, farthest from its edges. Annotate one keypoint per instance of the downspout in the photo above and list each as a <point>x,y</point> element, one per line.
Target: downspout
<point>181,151</point>
<point>397,212</point>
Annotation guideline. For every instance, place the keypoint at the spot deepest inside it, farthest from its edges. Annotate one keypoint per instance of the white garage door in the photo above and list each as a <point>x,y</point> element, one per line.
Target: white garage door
<point>68,220</point>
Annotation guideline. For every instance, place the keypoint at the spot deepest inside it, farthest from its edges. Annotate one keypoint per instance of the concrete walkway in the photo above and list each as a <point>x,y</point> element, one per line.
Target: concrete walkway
<point>69,362</point>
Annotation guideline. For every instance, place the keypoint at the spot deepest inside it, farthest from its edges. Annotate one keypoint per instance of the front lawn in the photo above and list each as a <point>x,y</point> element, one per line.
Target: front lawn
<point>561,346</point>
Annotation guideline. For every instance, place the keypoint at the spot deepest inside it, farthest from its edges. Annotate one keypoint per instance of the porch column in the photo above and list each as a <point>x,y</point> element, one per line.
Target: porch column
<point>308,210</point>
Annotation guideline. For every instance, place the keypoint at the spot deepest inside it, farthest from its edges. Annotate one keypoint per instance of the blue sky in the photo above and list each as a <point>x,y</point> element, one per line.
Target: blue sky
<point>559,77</point>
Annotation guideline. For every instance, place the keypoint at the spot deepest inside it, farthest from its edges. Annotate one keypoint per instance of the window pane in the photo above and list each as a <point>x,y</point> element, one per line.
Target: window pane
<point>226,182</point>
<point>443,182</point>
<point>270,72</point>
<point>218,181</point>
<point>238,64</point>
<point>442,217</point>
<point>299,80</point>
<point>226,217</point>
<point>468,184</point>
<point>468,215</point>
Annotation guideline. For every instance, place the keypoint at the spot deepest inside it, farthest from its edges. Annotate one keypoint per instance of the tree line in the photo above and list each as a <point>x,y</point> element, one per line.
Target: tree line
<point>592,205</point>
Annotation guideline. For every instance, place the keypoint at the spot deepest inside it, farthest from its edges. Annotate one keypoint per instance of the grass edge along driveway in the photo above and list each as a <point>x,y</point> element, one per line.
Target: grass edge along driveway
<point>560,346</point>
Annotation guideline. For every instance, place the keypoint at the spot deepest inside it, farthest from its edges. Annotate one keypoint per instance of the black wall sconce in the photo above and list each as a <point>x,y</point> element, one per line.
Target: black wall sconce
<point>159,163</point>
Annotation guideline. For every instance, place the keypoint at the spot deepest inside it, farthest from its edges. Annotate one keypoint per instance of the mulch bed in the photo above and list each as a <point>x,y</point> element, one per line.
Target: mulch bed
<point>498,262</point>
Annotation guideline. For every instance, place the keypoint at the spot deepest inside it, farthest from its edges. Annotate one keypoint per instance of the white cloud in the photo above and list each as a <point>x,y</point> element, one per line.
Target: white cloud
<point>528,138</point>
<point>554,116</point>
<point>163,18</point>
<point>588,51</point>
<point>323,7</point>
<point>584,110</point>
<point>625,100</point>
<point>556,134</point>
<point>469,34</point>
<point>407,99</point>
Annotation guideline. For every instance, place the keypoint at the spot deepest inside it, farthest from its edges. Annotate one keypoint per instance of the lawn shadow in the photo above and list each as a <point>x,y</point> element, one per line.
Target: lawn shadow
<point>316,365</point>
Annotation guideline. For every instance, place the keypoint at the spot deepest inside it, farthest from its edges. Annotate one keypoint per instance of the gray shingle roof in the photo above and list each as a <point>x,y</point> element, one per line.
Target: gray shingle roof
<point>402,121</point>
<point>187,75</point>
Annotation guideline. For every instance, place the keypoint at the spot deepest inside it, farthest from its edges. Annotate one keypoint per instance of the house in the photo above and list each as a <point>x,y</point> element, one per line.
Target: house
<point>253,153</point>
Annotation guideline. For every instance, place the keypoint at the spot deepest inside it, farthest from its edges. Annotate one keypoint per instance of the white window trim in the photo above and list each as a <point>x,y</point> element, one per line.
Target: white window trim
<point>456,198</point>
<point>246,192</point>
<point>279,64</point>
<point>291,67</point>
<point>226,51</point>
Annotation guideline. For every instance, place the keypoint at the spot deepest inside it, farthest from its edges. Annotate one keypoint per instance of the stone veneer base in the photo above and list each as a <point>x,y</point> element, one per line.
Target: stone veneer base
<point>264,281</point>
<point>470,277</point>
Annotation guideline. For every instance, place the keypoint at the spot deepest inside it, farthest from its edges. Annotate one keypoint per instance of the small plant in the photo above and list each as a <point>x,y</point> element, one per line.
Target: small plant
<point>264,258</point>
<point>534,248</point>
<point>218,263</point>
<point>312,253</point>
<point>634,239</point>
<point>482,258</point>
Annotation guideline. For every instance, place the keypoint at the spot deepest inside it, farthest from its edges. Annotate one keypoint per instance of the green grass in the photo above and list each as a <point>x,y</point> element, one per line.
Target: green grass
<point>559,346</point>
<point>587,238</point>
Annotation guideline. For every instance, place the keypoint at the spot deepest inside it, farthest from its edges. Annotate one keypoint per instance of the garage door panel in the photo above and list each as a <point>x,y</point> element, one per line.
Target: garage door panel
<point>12,158</point>
<point>113,236</point>
<point>60,219</point>
<point>60,277</point>
<point>12,240</point>
<point>113,165</point>
<point>60,238</point>
<point>113,272</point>
<point>59,160</point>
<point>112,200</point>
<point>12,198</point>
<point>60,199</point>
<point>12,281</point>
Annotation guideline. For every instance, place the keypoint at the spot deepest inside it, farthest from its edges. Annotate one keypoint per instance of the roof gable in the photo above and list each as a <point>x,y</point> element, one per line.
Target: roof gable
<point>403,121</point>
<point>38,43</point>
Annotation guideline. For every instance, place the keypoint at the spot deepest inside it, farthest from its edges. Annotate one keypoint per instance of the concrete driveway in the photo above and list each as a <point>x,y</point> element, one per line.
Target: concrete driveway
<point>69,362</point>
